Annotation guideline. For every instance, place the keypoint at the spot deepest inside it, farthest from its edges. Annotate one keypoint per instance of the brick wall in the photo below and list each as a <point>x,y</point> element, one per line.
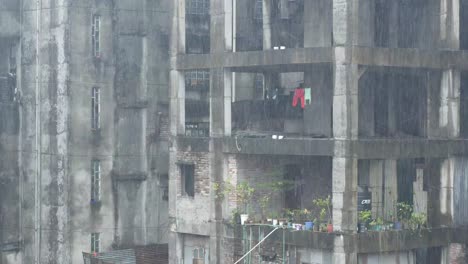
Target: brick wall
<point>458,254</point>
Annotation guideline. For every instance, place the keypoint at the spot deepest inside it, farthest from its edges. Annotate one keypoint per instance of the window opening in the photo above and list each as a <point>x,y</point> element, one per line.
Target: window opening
<point>199,256</point>
<point>187,172</point>
<point>197,7</point>
<point>96,29</point>
<point>95,181</point>
<point>197,80</point>
<point>96,108</point>
<point>95,242</point>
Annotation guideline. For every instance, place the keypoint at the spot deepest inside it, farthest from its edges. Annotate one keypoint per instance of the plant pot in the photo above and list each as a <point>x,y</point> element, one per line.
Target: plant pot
<point>244,218</point>
<point>274,221</point>
<point>362,227</point>
<point>297,227</point>
<point>316,227</point>
<point>397,225</point>
<point>308,225</point>
<point>330,228</point>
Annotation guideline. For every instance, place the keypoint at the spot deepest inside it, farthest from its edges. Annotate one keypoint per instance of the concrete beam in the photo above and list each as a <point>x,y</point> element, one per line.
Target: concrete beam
<point>256,60</point>
<point>361,149</point>
<point>295,59</point>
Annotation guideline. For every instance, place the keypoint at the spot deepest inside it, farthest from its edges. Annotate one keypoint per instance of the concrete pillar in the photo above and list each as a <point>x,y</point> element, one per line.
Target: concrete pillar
<point>178,28</point>
<point>177,103</point>
<point>345,126</point>
<point>345,97</point>
<point>221,27</point>
<point>266,24</point>
<point>450,24</point>
<point>317,23</point>
<point>344,203</point>
<point>228,84</point>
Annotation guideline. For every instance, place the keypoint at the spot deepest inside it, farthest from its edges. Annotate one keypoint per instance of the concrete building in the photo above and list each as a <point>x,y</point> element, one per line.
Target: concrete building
<point>387,114</point>
<point>84,132</point>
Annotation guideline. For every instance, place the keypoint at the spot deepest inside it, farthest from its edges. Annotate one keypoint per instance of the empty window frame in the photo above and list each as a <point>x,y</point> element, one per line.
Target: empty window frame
<point>199,255</point>
<point>96,36</point>
<point>95,108</point>
<point>95,181</point>
<point>197,7</point>
<point>187,175</point>
<point>95,242</point>
<point>197,79</point>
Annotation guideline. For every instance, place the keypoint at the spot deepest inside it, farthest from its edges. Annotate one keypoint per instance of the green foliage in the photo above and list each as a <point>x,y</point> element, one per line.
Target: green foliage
<point>418,220</point>
<point>242,191</point>
<point>404,211</point>
<point>378,221</point>
<point>365,216</point>
<point>324,204</point>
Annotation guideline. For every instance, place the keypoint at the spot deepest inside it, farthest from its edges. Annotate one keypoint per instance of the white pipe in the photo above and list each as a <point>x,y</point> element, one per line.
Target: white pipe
<point>37,183</point>
<point>261,241</point>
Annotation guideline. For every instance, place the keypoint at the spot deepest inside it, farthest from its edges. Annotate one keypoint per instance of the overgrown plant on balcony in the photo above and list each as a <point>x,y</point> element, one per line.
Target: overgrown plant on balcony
<point>324,205</point>
<point>417,221</point>
<point>365,217</point>
<point>243,193</point>
<point>404,212</point>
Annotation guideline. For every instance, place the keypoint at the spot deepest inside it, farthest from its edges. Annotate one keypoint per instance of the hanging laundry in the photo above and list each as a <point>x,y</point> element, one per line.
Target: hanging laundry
<point>298,94</point>
<point>308,95</point>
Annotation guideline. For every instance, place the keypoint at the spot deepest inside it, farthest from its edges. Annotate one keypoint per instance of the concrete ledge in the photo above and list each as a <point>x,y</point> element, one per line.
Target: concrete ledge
<point>194,229</point>
<point>193,144</point>
<point>307,239</point>
<point>288,146</point>
<point>391,241</point>
<point>361,148</point>
<point>295,59</point>
<point>412,58</point>
<point>408,148</point>
<point>281,60</point>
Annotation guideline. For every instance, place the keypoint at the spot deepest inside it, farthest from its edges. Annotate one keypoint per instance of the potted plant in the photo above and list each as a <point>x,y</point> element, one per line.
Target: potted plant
<point>244,193</point>
<point>316,225</point>
<point>376,224</point>
<point>325,210</point>
<point>365,218</point>
<point>404,212</point>
<point>418,220</point>
<point>264,203</point>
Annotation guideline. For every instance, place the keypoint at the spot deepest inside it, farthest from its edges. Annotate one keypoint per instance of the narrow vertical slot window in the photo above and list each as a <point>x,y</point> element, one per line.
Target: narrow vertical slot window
<point>96,108</point>
<point>96,34</point>
<point>95,242</point>
<point>95,181</point>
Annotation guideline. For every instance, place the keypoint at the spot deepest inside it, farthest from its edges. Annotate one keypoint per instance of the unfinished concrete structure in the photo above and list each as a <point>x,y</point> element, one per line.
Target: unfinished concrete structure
<point>388,114</point>
<point>84,131</point>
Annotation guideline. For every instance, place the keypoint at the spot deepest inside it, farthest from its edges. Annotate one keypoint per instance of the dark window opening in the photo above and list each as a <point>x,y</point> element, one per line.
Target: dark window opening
<point>187,173</point>
<point>406,175</point>
<point>392,104</point>
<point>95,108</point>
<point>293,177</point>
<point>464,105</point>
<point>197,21</point>
<point>463,21</point>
